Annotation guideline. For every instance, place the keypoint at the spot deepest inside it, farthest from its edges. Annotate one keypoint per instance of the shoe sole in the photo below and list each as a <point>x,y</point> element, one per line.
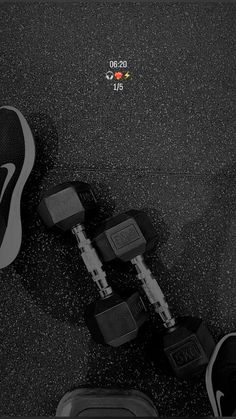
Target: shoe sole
<point>208,376</point>
<point>84,398</point>
<point>12,239</point>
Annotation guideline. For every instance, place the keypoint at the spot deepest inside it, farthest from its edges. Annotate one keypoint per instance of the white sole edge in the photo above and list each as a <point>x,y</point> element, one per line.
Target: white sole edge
<point>208,375</point>
<point>12,239</point>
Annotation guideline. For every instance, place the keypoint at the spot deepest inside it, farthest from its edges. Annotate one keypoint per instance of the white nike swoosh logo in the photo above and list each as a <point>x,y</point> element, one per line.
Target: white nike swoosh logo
<point>10,172</point>
<point>219,395</point>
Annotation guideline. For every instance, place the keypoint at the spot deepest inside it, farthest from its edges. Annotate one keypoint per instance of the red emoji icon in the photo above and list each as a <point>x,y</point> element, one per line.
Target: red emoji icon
<point>118,75</point>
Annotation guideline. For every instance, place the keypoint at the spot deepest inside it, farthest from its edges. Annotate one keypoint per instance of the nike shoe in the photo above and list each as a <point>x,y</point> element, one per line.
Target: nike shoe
<point>221,377</point>
<point>17,154</point>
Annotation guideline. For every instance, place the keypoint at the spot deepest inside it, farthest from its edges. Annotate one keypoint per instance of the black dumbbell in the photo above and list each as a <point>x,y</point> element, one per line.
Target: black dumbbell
<point>186,341</point>
<point>112,320</point>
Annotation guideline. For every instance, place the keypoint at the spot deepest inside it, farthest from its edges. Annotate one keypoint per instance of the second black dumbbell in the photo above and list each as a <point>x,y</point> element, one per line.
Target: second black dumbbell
<point>186,341</point>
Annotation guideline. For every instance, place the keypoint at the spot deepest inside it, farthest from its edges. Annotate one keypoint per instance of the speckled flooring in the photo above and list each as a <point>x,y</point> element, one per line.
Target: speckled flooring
<point>165,143</point>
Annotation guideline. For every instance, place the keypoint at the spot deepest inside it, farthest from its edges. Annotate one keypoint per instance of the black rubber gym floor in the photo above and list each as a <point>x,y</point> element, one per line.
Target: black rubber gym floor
<point>165,143</point>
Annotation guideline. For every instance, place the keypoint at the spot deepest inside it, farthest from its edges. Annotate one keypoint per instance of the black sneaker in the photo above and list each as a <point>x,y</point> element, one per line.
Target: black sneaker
<point>17,154</point>
<point>221,377</point>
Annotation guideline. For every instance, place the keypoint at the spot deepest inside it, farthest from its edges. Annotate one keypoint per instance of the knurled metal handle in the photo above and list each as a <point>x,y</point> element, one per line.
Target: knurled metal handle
<point>91,260</point>
<point>153,291</point>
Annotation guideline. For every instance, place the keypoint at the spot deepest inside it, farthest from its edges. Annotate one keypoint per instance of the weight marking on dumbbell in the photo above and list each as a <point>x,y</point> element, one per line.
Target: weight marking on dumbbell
<point>125,236</point>
<point>189,351</point>
<point>87,197</point>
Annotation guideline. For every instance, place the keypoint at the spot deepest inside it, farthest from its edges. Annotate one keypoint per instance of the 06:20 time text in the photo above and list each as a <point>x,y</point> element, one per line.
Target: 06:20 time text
<point>118,64</point>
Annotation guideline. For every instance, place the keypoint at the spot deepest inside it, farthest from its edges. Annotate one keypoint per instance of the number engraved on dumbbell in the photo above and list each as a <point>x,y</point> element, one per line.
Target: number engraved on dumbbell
<point>188,352</point>
<point>87,197</point>
<point>125,237</point>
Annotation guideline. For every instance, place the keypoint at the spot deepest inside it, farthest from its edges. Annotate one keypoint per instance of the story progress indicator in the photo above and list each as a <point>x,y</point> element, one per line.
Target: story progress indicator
<point>118,74</point>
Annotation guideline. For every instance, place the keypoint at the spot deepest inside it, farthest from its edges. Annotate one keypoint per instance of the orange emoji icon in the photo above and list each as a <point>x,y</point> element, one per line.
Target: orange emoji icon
<point>118,75</point>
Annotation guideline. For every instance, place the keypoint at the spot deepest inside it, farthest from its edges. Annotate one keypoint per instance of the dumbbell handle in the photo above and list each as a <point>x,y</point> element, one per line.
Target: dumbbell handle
<point>153,291</point>
<point>92,261</point>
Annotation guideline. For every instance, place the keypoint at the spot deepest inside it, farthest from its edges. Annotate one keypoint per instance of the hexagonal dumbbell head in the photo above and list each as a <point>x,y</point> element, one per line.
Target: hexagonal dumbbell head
<point>68,204</point>
<point>125,236</point>
<point>115,321</point>
<point>188,346</point>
